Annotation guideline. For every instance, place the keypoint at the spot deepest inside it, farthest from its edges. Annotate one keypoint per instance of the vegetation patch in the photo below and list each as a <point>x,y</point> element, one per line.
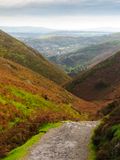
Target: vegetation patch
<point>107,136</point>
<point>21,152</point>
<point>22,113</point>
<point>116,131</point>
<point>92,154</point>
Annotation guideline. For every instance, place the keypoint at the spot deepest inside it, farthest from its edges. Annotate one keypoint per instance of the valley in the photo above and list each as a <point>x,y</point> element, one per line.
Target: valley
<point>73,51</point>
<point>28,99</point>
<point>12,49</point>
<point>59,43</point>
<point>28,102</point>
<point>46,111</point>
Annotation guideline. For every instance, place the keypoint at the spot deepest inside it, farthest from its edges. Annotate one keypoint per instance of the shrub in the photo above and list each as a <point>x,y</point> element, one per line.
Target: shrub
<point>107,135</point>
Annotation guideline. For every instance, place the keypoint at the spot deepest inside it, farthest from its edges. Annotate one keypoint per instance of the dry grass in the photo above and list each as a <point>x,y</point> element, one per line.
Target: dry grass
<point>28,100</point>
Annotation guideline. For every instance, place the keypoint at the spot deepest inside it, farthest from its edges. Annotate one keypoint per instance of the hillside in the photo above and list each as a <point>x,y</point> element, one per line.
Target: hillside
<point>28,100</point>
<point>18,52</point>
<point>101,82</point>
<point>106,140</point>
<point>85,57</point>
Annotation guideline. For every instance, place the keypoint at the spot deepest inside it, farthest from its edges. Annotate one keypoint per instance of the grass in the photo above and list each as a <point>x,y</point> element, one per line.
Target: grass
<point>28,103</point>
<point>92,149</point>
<point>20,152</point>
<point>91,146</point>
<point>23,112</point>
<point>107,135</point>
<point>116,130</point>
<point>31,102</point>
<point>45,127</point>
<point>92,154</point>
<point>2,100</point>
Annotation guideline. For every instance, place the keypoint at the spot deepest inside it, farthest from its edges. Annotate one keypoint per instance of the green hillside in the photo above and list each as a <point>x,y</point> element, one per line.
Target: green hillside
<point>18,52</point>
<point>106,140</point>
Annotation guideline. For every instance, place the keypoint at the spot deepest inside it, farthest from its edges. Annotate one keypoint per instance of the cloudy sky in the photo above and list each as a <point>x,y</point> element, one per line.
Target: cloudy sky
<point>61,14</point>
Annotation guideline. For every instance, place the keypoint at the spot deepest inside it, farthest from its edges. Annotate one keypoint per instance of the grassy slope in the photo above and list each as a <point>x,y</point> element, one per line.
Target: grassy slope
<point>27,100</point>
<point>22,151</point>
<point>99,83</point>
<point>17,51</point>
<point>106,140</point>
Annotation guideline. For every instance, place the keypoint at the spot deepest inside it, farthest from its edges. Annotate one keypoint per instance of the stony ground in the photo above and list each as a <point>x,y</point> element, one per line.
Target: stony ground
<point>68,142</point>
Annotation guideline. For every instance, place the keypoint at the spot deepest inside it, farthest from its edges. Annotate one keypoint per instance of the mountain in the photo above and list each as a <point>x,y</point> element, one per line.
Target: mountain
<point>18,52</point>
<point>29,100</point>
<point>102,82</point>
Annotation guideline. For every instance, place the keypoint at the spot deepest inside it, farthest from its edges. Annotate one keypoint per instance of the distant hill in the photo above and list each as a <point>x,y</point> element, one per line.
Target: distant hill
<point>59,43</point>
<point>73,51</point>
<point>26,29</point>
<point>86,57</point>
<point>53,44</point>
<point>28,100</point>
<point>18,52</point>
<point>101,82</point>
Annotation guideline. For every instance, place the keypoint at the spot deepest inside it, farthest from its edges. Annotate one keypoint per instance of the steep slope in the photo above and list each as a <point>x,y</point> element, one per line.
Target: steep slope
<point>27,100</point>
<point>83,58</point>
<point>16,51</point>
<point>106,140</point>
<point>102,82</point>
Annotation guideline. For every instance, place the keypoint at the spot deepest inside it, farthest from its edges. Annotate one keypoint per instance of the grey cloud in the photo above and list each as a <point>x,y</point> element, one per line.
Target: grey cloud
<point>63,7</point>
<point>14,3</point>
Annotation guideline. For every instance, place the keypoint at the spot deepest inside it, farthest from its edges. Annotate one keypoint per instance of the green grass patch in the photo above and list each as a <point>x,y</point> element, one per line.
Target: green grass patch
<point>17,120</point>
<point>26,111</point>
<point>28,98</point>
<point>92,148</point>
<point>30,102</point>
<point>27,104</point>
<point>116,130</point>
<point>22,151</point>
<point>92,151</point>
<point>2,100</point>
<point>45,127</point>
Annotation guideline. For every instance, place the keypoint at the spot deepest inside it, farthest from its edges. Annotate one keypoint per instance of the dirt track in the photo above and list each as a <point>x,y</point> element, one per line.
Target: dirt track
<point>68,142</point>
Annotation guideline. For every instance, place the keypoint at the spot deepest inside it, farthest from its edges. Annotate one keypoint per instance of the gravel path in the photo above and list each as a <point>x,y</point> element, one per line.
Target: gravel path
<point>68,142</point>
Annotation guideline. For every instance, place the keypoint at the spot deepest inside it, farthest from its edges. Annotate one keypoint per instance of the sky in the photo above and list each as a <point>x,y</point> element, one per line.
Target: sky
<point>61,14</point>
